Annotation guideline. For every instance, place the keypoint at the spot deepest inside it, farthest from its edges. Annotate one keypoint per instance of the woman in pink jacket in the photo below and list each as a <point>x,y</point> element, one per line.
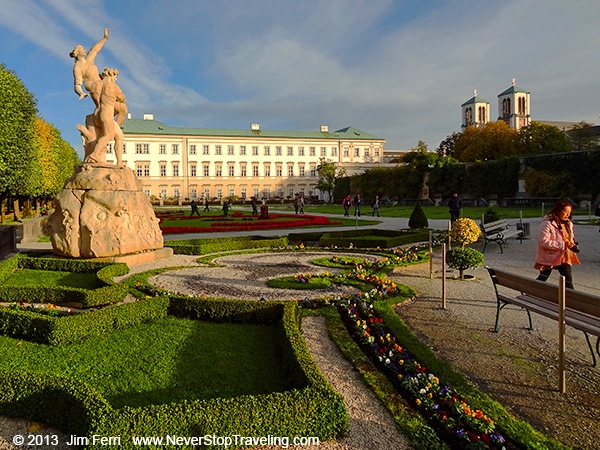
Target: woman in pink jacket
<point>556,246</point>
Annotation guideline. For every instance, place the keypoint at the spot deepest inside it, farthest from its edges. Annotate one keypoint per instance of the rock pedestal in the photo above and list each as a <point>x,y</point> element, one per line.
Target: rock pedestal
<point>103,211</point>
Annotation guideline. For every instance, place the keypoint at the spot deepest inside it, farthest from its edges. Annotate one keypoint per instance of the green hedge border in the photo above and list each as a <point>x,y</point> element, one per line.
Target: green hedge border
<point>105,271</point>
<point>312,408</point>
<point>371,238</point>
<point>214,245</point>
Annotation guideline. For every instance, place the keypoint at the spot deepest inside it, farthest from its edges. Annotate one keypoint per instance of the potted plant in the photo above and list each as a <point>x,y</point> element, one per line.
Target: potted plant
<point>464,231</point>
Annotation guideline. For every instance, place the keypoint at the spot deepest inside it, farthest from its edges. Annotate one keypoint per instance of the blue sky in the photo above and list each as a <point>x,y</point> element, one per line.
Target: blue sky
<point>397,69</point>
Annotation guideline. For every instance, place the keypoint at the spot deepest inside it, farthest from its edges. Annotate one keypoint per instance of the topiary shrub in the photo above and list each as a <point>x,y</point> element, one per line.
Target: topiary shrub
<point>418,219</point>
<point>465,231</point>
<point>491,215</point>
<point>464,258</point>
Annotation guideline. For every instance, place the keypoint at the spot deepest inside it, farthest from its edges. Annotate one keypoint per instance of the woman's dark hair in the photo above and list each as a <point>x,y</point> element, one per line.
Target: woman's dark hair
<point>559,206</point>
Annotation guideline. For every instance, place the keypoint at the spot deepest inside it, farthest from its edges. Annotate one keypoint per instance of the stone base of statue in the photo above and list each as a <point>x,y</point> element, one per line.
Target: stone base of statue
<point>102,211</point>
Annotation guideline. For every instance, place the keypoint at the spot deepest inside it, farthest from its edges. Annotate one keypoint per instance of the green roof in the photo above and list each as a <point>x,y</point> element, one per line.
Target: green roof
<point>513,90</point>
<point>474,100</point>
<point>140,126</point>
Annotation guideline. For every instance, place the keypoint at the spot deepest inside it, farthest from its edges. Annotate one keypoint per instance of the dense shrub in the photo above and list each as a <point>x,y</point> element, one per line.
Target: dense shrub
<point>215,245</point>
<point>418,219</point>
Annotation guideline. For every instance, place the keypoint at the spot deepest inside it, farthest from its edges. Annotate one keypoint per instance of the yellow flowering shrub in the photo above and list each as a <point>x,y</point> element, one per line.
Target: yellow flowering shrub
<point>465,231</point>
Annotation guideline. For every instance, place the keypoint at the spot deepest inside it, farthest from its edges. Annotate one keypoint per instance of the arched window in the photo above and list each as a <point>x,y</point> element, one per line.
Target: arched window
<point>506,107</point>
<point>522,106</point>
<point>481,118</point>
<point>468,116</point>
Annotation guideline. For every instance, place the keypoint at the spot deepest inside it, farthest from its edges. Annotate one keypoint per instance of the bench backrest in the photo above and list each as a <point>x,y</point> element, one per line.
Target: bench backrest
<point>493,226</point>
<point>577,300</point>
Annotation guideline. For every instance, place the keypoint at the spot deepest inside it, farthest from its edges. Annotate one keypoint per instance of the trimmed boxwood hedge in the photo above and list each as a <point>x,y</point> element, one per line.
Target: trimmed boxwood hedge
<point>111,292</point>
<point>312,408</point>
<point>35,327</point>
<point>215,245</point>
<point>373,237</point>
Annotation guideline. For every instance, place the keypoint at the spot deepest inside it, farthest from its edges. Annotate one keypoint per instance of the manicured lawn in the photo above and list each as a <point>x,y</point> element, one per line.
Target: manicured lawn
<point>164,361</point>
<point>32,278</point>
<point>436,212</point>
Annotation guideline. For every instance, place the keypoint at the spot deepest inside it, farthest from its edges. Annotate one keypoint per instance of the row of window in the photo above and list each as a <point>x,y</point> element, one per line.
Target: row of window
<point>143,170</point>
<point>254,149</point>
<point>219,192</point>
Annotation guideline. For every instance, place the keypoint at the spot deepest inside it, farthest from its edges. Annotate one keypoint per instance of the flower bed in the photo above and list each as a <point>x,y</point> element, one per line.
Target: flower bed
<point>242,222</point>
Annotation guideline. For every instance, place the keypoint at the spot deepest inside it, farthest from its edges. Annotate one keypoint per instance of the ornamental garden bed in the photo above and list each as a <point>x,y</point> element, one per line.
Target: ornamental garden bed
<point>176,222</point>
<point>134,399</point>
<point>205,367</point>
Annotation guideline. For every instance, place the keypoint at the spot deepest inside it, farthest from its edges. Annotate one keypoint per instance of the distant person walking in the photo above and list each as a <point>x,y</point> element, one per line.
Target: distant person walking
<point>297,203</point>
<point>301,203</point>
<point>556,246</point>
<point>346,203</point>
<point>195,209</point>
<point>454,205</point>
<point>357,204</point>
<point>226,205</point>
<point>376,206</point>
<point>254,206</point>
<point>206,208</point>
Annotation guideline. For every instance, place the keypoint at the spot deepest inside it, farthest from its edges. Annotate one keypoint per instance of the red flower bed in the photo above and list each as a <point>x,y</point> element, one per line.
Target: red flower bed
<point>255,224</point>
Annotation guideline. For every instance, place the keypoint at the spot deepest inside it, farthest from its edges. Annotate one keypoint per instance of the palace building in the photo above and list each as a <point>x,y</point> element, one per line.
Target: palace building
<point>194,163</point>
<point>513,108</point>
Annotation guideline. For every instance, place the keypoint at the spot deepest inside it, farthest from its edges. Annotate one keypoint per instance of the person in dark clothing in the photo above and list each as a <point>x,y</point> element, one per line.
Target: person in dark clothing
<point>254,206</point>
<point>195,209</point>
<point>454,205</point>
<point>357,203</point>
<point>206,209</point>
<point>226,207</point>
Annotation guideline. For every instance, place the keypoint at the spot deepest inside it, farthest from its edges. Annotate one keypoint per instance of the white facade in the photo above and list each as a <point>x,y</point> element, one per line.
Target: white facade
<point>199,163</point>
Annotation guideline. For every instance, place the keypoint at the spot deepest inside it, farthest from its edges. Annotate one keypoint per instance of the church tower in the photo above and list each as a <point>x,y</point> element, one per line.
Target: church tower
<point>475,111</point>
<point>513,107</point>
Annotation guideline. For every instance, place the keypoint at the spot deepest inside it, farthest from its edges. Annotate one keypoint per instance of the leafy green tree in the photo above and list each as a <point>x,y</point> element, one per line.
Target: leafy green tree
<point>419,162</point>
<point>329,174</point>
<point>447,176</point>
<point>18,165</point>
<point>583,137</point>
<point>541,139</point>
<point>56,157</point>
<point>446,147</point>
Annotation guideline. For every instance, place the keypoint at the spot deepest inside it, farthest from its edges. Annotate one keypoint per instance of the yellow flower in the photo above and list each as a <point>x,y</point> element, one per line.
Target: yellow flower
<point>418,402</point>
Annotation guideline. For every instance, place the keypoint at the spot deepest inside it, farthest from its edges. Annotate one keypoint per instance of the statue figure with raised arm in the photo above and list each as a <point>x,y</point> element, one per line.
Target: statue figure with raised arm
<point>85,71</point>
<point>98,129</point>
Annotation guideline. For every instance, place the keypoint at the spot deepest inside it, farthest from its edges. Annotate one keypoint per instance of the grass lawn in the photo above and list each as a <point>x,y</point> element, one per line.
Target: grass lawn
<point>163,361</point>
<point>32,278</point>
<point>439,212</point>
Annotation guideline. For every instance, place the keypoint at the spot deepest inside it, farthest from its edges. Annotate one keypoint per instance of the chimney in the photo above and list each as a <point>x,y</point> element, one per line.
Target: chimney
<point>324,129</point>
<point>148,116</point>
<point>255,127</point>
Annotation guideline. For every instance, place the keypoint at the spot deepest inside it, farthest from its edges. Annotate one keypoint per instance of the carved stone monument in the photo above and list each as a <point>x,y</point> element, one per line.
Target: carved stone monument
<point>102,211</point>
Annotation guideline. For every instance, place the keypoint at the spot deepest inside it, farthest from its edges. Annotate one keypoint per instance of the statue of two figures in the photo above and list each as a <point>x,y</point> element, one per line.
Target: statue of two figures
<point>104,124</point>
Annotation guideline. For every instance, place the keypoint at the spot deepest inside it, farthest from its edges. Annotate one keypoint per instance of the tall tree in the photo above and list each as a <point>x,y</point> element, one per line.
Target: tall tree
<point>57,158</point>
<point>541,139</point>
<point>493,141</point>
<point>446,147</point>
<point>583,137</point>
<point>17,153</point>
<point>329,174</point>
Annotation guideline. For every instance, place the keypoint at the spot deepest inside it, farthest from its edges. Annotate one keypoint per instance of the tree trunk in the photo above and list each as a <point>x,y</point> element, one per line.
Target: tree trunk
<point>16,210</point>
